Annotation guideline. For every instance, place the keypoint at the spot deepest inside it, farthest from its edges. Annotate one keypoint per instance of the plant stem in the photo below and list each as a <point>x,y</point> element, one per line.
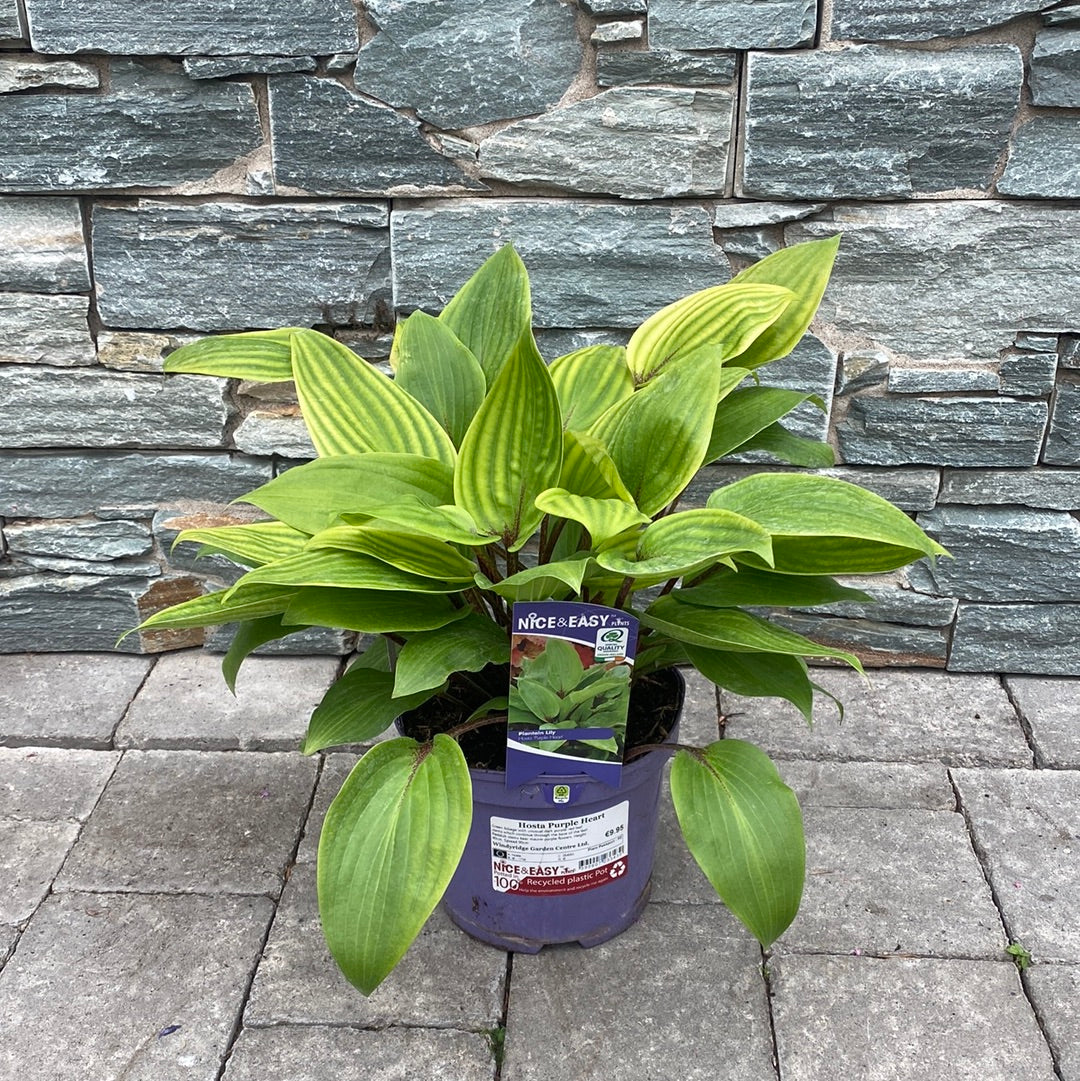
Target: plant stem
<point>624,592</point>
<point>487,564</point>
<point>481,722</point>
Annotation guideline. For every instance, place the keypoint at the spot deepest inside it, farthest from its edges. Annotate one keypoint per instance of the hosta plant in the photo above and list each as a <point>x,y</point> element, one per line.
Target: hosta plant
<point>479,476</point>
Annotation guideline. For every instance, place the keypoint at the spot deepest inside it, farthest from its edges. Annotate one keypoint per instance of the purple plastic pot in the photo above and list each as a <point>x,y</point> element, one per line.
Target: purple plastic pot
<point>537,871</point>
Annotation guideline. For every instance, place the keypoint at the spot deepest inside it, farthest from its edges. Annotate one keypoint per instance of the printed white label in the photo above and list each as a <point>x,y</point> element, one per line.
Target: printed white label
<point>565,855</point>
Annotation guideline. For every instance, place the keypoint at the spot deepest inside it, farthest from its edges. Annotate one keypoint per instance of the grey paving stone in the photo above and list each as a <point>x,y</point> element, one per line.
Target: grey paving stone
<point>1055,67</point>
<point>45,329</point>
<point>633,1007</point>
<point>699,721</point>
<point>185,703</point>
<point>446,980</point>
<point>194,821</point>
<point>893,716</point>
<point>879,785</point>
<point>1043,160</point>
<point>1025,824</point>
<point>1055,992</point>
<point>1051,708</point>
<point>731,24</point>
<point>312,1053</point>
<point>915,1020</point>
<point>1054,489</point>
<point>50,784</point>
<point>8,937</point>
<point>30,855</point>
<point>1036,639</point>
<point>66,700</point>
<point>98,979</point>
<point>45,251</point>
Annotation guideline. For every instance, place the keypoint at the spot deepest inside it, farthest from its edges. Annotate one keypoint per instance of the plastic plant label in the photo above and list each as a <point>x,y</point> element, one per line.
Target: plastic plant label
<point>566,855</point>
<point>570,666</point>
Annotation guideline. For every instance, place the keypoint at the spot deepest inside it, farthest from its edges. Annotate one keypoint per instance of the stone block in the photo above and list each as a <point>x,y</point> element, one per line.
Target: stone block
<point>457,66</point>
<point>614,7</point>
<point>85,408</point>
<point>1053,489</point>
<point>699,722</point>
<point>630,67</point>
<point>1034,342</point>
<point>200,28</point>
<point>84,974</point>
<point>131,351</point>
<point>1043,160</point>
<point>1028,373</point>
<point>640,257</point>
<point>1051,710</point>
<point>1063,439</point>
<point>876,643</point>
<point>329,140</point>
<point>222,67</point>
<point>623,30</point>
<point>740,216</point>
<point>169,523</point>
<point>942,431</point>
<point>44,249</point>
<point>307,641</point>
<point>862,369</point>
<point>48,484</point>
<point>30,855</point>
<point>117,568</point>
<point>677,879</point>
<point>230,266</point>
<point>897,20</point>
<point>876,122</point>
<point>193,821</point>
<point>554,343</point>
<point>647,143</point>
<point>877,785</point>
<point>968,275</point>
<point>1024,824</point>
<point>905,380</point>
<point>731,24</point>
<point>49,784</point>
<point>154,127</point>
<point>274,432</point>
<point>1054,992</point>
<point>889,604</point>
<point>915,1018</point>
<point>909,716</point>
<point>45,329</point>
<point>79,539</point>
<point>18,73</point>
<point>1037,639</point>
<point>269,712</point>
<point>11,24</point>
<point>1055,67</point>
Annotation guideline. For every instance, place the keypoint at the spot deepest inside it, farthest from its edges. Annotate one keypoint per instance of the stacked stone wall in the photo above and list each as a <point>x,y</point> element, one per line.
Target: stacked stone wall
<point>168,170</point>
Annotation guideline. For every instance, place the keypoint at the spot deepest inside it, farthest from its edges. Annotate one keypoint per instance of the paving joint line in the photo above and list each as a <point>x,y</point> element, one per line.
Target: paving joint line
<point>1024,721</point>
<point>766,977</point>
<point>500,1055</point>
<point>131,701</point>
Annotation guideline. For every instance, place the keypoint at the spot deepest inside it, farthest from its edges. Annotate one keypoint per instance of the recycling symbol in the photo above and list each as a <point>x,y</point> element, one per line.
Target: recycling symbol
<point>617,869</point>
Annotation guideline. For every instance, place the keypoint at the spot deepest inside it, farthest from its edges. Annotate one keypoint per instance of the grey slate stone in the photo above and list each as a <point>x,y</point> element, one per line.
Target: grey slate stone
<point>743,215</point>
<point>19,73</point>
<point>118,568</point>
<point>904,380</point>
<point>106,1003</point>
<point>46,484</point>
<point>630,67</point>
<point>1044,162</point>
<point>130,351</point>
<point>731,24</point>
<point>901,20</point>
<point>875,122</point>
<point>153,128</point>
<point>942,431</point>
<point>1037,343</point>
<point>912,1018</point>
<point>84,408</point>
<point>456,68</point>
<point>908,716</point>
<point>44,249</point>
<point>193,821</point>
<point>1025,823</point>
<point>968,275</point>
<point>591,264</point>
<point>86,539</point>
<point>1063,14</point>
<point>1051,710</point>
<point>1053,489</point>
<point>1055,67</point>
<point>1054,991</point>
<point>329,140</point>
<point>30,855</point>
<point>45,329</point>
<point>1028,373</point>
<point>1063,439</point>
<point>50,784</point>
<point>266,432</point>
<point>200,27</point>
<point>64,700</point>
<point>221,67</point>
<point>651,143</point>
<point>891,605</point>
<point>11,25</point>
<point>227,266</point>
<point>878,785</point>
<point>875,642</point>
<point>624,30</point>
<point>862,369</point>
<point>614,7</point>
<point>1039,639</point>
<point>1069,349</point>
<point>676,877</point>
<point>270,711</point>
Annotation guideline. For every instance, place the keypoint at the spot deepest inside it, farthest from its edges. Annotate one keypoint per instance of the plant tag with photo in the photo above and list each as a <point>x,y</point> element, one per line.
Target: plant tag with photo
<point>570,667</point>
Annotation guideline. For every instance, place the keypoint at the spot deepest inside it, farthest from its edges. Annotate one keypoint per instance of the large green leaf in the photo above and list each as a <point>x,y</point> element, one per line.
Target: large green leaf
<point>603,518</point>
<point>727,317</point>
<point>788,447</point>
<point>588,469</point>
<point>262,355</point>
<point>371,611</point>
<point>751,586</point>
<point>226,606</point>
<point>743,826</point>
<point>445,522</point>
<point>252,544</point>
<point>757,675</point>
<point>549,580</point>
<point>512,450</point>
<point>411,552</point>
<point>390,844</point>
<point>802,268</point>
<point>350,407</point>
<point>825,526</point>
<point>439,372</point>
<point>428,659</point>
<point>492,311</point>
<point>744,413</point>
<point>590,381</point>
<point>251,634</point>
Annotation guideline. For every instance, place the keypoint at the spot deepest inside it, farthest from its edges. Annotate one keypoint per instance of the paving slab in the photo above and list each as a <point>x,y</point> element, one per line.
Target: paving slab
<point>893,882</point>
<point>99,981</point>
<point>194,821</point>
<point>8,937</point>
<point>904,1020</point>
<point>909,715</point>
<point>30,855</point>
<point>1051,708</point>
<point>699,722</point>
<point>1026,828</point>
<point>51,784</point>
<point>446,980</point>
<point>66,699</point>
<point>654,1002</point>
<point>1055,993</point>
<point>868,784</point>
<point>315,1053</point>
<point>186,704</point>
<point>335,770</point>
<point>677,879</point>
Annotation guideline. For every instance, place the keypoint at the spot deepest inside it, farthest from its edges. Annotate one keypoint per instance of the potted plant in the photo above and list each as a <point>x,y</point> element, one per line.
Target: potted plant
<point>479,477</point>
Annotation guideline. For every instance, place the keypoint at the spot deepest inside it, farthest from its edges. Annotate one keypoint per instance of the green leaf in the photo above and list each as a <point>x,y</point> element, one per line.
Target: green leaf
<point>744,413</point>
<point>262,355</point>
<point>757,675</point>
<point>558,666</point>
<point>439,372</point>
<point>750,586</point>
<point>793,449</point>
<point>417,554</point>
<point>512,450</point>
<point>590,381</point>
<point>251,634</point>
<point>727,317</point>
<point>603,518</point>
<point>390,844</point>
<point>371,611</point>
<point>802,268</point>
<point>225,606</point>
<point>532,697</point>
<point>446,522</point>
<point>252,544</point>
<point>588,469</point>
<point>743,826</point>
<point>430,658</point>
<point>492,311</point>
<point>350,407</point>
<point>540,583</point>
